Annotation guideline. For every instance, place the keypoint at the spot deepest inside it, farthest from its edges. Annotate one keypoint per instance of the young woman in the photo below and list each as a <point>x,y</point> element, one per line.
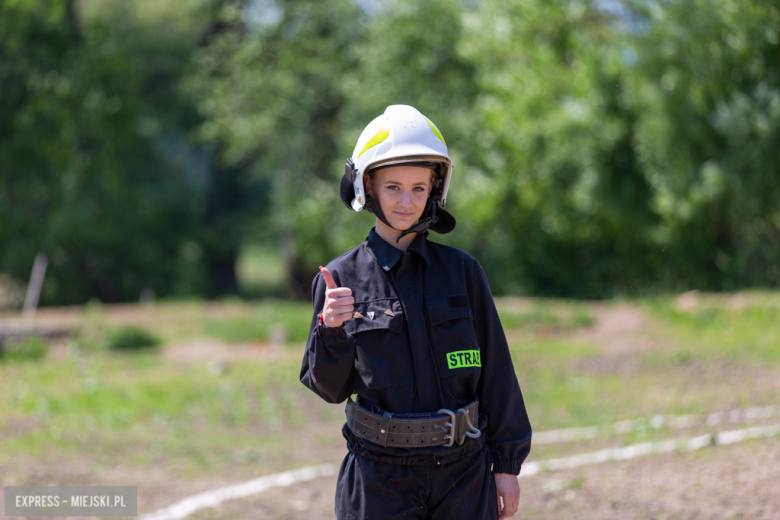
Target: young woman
<point>439,429</point>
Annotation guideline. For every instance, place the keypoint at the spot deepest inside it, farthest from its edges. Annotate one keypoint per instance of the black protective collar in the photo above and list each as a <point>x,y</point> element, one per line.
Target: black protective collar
<point>388,255</point>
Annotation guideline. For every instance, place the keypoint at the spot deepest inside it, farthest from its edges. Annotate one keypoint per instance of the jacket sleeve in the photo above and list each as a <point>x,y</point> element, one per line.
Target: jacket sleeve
<point>330,354</point>
<point>508,430</point>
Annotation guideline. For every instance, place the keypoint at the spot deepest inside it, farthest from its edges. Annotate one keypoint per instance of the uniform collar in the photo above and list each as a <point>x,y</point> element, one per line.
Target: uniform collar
<point>387,255</point>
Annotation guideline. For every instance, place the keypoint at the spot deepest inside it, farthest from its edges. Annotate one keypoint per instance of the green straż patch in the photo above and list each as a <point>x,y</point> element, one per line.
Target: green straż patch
<point>463,358</point>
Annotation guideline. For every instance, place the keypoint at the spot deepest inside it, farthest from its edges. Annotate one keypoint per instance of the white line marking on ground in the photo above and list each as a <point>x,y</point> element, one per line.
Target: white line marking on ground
<point>213,498</point>
<point>676,422</point>
<point>649,448</point>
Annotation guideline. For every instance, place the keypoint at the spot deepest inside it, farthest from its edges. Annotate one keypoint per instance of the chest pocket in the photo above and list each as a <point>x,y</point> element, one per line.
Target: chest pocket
<point>382,357</point>
<point>452,331</point>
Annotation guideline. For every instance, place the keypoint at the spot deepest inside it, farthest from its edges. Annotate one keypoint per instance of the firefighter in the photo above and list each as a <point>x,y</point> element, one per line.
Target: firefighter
<point>438,429</point>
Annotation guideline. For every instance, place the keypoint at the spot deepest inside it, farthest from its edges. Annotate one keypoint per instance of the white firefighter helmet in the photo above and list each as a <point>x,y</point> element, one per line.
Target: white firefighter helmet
<point>402,135</point>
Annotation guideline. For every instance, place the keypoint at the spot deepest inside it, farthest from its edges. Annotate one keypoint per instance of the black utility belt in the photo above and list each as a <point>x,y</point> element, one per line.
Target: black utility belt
<point>442,428</point>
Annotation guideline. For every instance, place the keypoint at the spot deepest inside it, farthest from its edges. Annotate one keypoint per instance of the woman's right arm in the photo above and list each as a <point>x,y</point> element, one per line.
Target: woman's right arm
<point>330,353</point>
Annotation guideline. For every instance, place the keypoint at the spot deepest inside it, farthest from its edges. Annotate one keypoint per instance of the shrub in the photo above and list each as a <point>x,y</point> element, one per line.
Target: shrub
<point>131,338</point>
<point>30,348</point>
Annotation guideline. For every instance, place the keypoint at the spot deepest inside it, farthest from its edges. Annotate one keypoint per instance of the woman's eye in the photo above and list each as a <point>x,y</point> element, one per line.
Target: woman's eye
<point>418,189</point>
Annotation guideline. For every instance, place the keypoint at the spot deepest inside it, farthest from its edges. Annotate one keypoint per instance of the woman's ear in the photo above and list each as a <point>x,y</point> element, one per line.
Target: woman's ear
<point>368,185</point>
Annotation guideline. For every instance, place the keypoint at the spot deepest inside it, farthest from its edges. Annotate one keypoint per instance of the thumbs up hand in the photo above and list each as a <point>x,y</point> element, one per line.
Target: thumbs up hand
<point>338,301</point>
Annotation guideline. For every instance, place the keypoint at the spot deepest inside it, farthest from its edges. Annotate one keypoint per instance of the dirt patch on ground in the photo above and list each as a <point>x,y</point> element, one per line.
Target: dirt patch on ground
<point>732,482</point>
<point>312,500</point>
<point>13,425</point>
<point>132,313</point>
<point>162,486</point>
<point>719,483</point>
<point>621,330</point>
<point>618,329</point>
<point>207,348</point>
<point>695,300</point>
<point>157,487</point>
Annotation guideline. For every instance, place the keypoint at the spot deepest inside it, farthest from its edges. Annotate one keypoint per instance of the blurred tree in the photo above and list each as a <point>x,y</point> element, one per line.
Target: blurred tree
<point>706,86</point>
<point>96,167</point>
<point>271,90</point>
<point>600,147</point>
<point>560,204</point>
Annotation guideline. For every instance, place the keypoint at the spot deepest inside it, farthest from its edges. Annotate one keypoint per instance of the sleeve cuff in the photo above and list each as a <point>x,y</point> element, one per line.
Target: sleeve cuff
<point>508,467</point>
<point>331,332</point>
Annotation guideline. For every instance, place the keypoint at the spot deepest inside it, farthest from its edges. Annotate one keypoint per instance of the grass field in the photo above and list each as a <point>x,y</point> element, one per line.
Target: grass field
<point>220,402</point>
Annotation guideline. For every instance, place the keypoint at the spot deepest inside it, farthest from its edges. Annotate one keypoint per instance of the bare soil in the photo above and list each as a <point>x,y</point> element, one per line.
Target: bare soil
<point>734,482</point>
<point>620,330</point>
<point>157,487</point>
<point>160,486</point>
<point>208,348</point>
<point>738,481</point>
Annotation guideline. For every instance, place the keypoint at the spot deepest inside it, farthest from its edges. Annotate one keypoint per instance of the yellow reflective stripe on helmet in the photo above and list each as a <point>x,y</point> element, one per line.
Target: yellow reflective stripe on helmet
<point>435,131</point>
<point>380,136</point>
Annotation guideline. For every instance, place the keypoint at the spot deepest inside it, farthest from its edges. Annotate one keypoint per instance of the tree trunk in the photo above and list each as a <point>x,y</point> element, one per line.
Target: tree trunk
<point>224,203</point>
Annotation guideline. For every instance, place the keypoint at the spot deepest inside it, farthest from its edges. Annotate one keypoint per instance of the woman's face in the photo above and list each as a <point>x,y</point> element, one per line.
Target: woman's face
<point>402,192</point>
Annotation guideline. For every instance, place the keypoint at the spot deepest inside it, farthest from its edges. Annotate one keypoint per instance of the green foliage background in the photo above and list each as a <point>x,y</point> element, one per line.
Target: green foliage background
<point>601,148</point>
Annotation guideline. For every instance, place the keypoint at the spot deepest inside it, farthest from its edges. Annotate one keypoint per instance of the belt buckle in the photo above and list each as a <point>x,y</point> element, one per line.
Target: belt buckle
<point>451,425</point>
<point>472,432</point>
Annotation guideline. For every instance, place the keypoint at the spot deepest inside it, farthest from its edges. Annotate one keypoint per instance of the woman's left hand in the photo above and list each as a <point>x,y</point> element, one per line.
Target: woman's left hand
<point>509,490</point>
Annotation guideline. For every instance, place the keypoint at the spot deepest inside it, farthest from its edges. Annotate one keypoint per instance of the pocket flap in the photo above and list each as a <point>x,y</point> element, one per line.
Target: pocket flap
<point>448,304</point>
<point>375,315</point>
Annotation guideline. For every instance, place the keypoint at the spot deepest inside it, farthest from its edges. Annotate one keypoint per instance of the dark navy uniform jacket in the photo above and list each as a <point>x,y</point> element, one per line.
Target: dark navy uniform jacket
<point>429,338</point>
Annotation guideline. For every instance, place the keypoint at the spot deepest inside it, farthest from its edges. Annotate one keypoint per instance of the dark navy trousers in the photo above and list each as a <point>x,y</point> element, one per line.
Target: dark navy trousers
<point>458,489</point>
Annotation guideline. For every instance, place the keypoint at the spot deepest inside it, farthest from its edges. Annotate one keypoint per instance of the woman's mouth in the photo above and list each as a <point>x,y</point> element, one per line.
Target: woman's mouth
<point>403,215</point>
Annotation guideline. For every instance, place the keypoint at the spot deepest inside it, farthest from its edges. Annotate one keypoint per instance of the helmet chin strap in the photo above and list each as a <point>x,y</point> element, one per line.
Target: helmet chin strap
<point>421,226</point>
